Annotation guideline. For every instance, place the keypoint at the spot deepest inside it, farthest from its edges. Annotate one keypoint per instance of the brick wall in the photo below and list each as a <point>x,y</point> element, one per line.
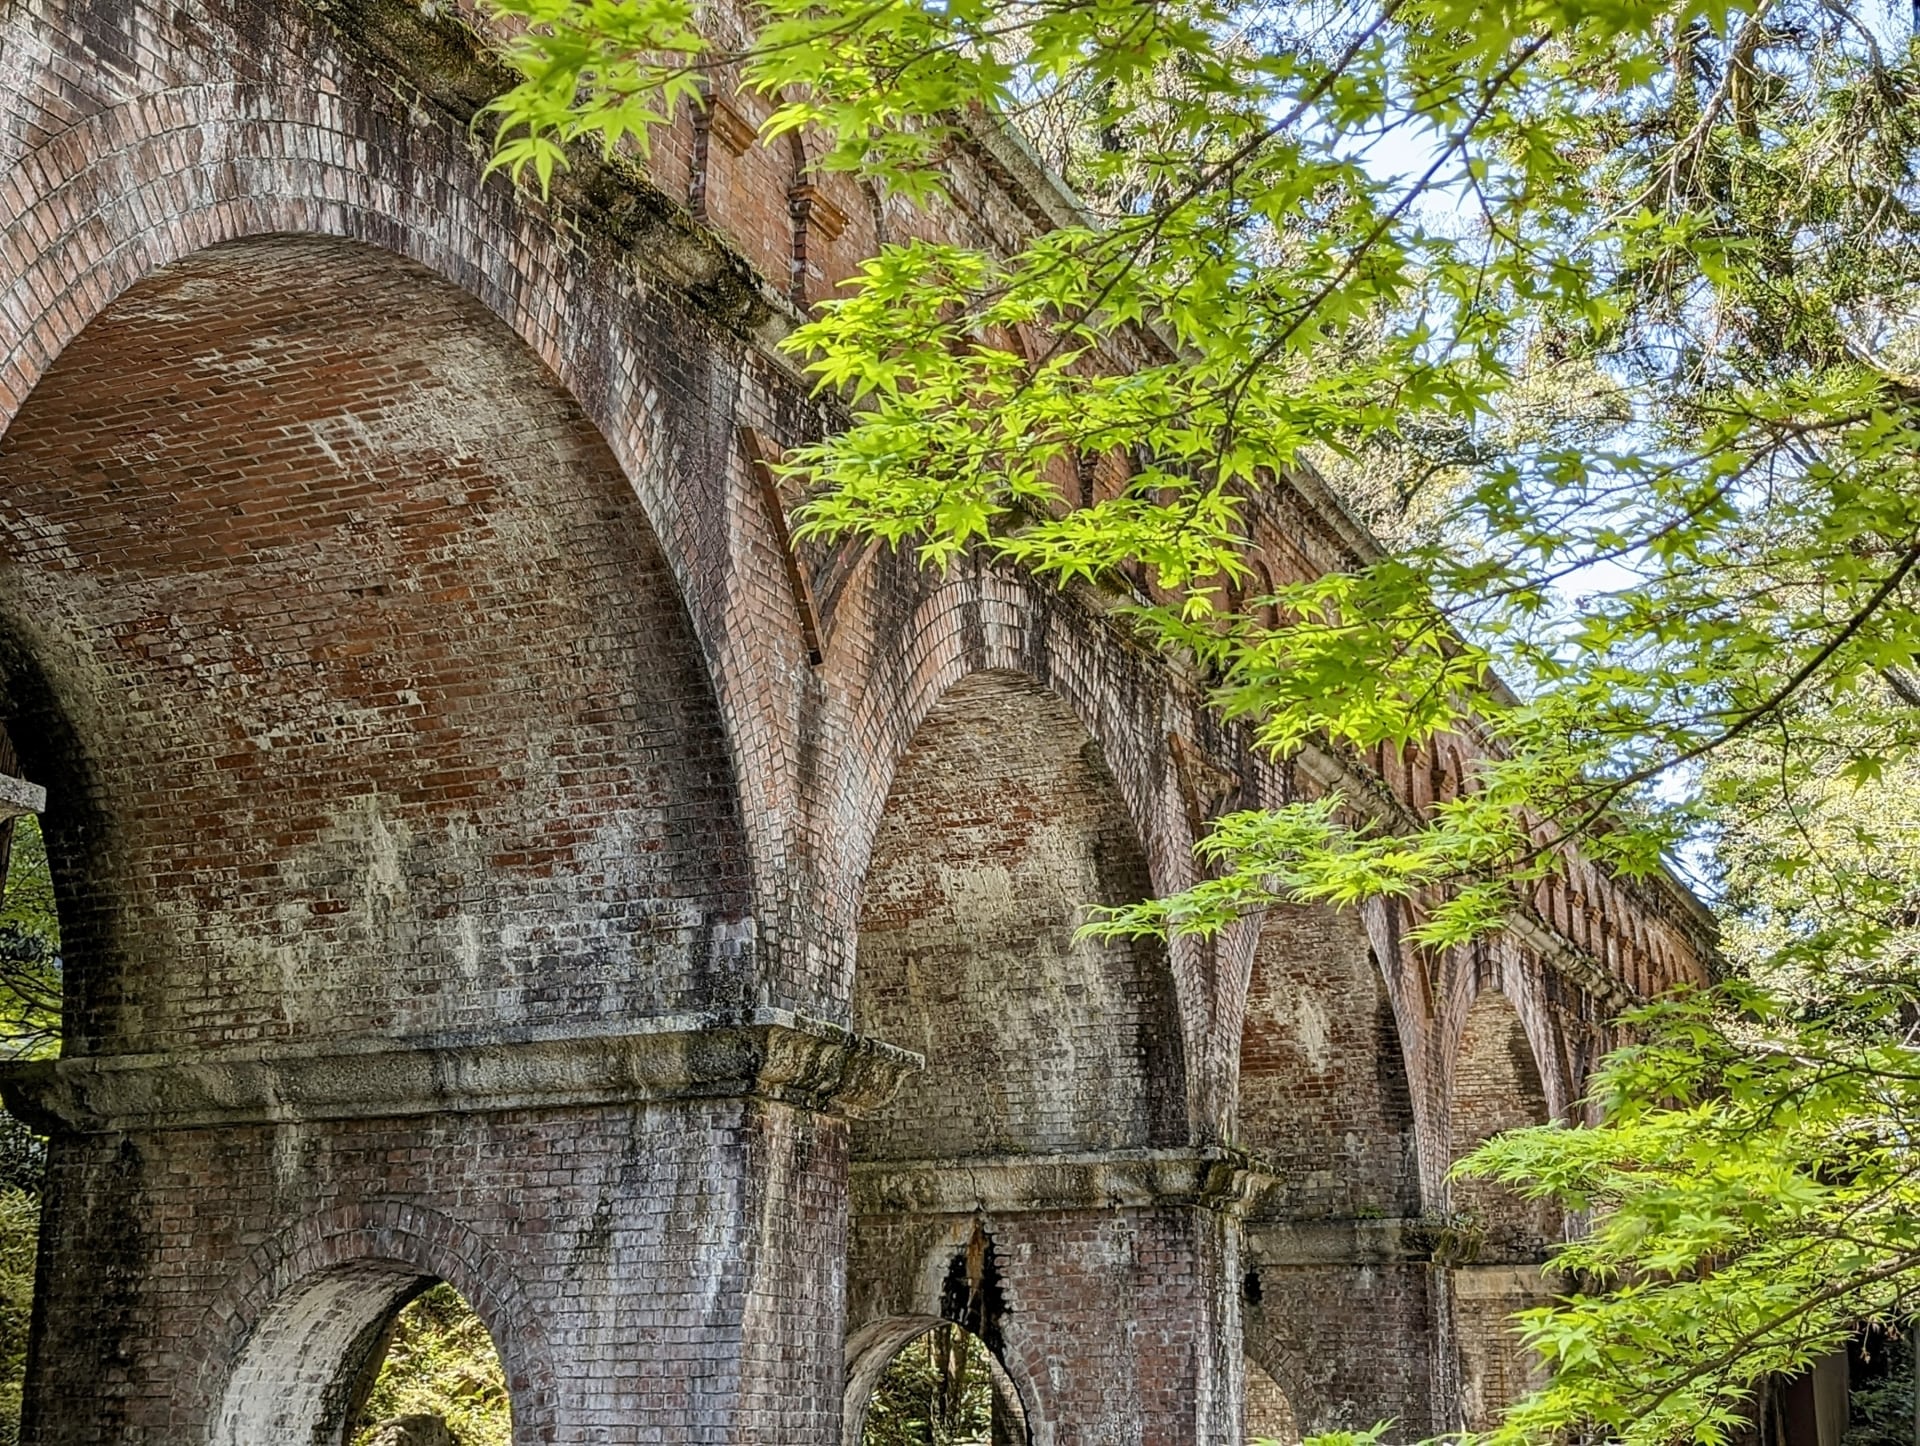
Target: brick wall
<point>1269,1414</point>
<point>642,1273</point>
<point>1348,1347</point>
<point>1496,1086</point>
<point>1323,1086</point>
<point>1109,1322</point>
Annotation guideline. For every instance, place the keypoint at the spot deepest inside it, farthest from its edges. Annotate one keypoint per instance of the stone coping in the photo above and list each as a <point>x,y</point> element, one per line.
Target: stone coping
<point>1213,1177</point>
<point>768,1054</point>
<point>1339,1241</point>
<point>1504,1283</point>
<point>18,797</point>
<point>1353,1240</point>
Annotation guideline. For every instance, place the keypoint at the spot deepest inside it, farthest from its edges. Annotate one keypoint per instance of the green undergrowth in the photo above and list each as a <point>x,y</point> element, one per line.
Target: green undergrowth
<point>936,1392</point>
<point>441,1362</point>
<point>19,1237</point>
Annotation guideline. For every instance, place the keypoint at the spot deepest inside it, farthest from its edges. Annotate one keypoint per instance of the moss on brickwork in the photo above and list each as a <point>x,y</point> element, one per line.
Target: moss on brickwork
<point>433,53</point>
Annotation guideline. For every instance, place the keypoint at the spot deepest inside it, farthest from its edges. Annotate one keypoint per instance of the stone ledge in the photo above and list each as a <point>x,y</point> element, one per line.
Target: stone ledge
<point>1400,1240</point>
<point>770,1054</point>
<point>1214,1179</point>
<point>1501,1282</point>
<point>18,797</point>
<point>1338,1242</point>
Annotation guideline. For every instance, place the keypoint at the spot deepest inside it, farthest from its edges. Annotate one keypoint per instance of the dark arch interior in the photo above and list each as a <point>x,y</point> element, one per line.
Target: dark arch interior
<point>943,1387</point>
<point>1002,824</point>
<point>1323,1083</point>
<point>363,690</point>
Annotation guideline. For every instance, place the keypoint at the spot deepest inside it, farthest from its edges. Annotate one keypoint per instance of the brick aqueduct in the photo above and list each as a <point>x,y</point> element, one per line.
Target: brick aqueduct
<point>487,851</point>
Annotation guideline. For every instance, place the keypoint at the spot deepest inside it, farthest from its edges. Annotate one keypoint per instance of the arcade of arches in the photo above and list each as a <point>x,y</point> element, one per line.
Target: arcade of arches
<point>495,865</point>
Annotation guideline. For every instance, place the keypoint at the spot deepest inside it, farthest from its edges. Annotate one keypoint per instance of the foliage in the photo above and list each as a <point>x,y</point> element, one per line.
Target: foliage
<point>1637,319</point>
<point>936,1391</point>
<point>29,1024</point>
<point>1755,1198</point>
<point>1623,173</point>
<point>1882,1391</point>
<point>441,1362</point>
<point>29,948</point>
<point>19,1241</point>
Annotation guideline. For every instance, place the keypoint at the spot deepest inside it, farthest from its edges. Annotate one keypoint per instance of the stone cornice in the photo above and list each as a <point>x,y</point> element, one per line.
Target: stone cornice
<point>18,797</point>
<point>1338,1241</point>
<point>770,1054</point>
<point>1349,1240</point>
<point>1214,1178</point>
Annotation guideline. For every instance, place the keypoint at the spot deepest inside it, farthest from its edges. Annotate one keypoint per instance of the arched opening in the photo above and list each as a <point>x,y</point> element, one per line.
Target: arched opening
<point>369,1354</point>
<point>362,688</point>
<point>29,1028</point>
<point>1323,1081</point>
<point>1003,823</point>
<point>368,709</point>
<point>1496,1087</point>
<point>1268,1414</point>
<point>941,1386</point>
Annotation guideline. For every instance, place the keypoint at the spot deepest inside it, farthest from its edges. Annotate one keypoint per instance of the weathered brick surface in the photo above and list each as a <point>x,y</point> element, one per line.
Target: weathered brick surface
<point>1003,825</point>
<point>1347,1347</point>
<point>1110,1322</point>
<point>577,1237</point>
<point>1324,1093</point>
<point>438,774</point>
<point>391,720</point>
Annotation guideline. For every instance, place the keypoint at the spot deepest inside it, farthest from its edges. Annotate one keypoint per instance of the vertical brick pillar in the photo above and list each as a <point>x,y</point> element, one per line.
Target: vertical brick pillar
<point>1492,1367</point>
<point>1126,1323</point>
<point>1106,1285</point>
<point>1343,1316</point>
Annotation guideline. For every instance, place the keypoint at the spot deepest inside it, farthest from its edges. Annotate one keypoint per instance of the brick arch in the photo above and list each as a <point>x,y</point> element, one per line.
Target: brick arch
<point>977,618</point>
<point>1410,988</point>
<point>1272,1345</point>
<point>1268,1410</point>
<point>277,1341</point>
<point>1002,820</point>
<point>981,618</point>
<point>1499,964</point>
<point>301,538</point>
<point>1495,1083</point>
<point>139,185</point>
<point>1325,1091</point>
